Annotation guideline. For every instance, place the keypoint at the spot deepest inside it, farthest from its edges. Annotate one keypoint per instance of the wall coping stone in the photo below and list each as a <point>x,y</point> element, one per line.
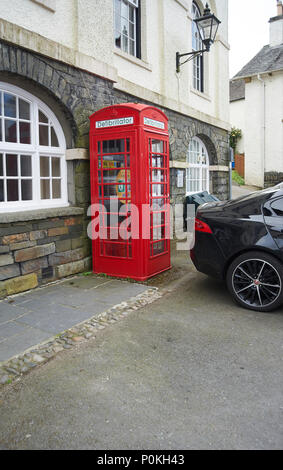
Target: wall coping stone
<point>38,214</point>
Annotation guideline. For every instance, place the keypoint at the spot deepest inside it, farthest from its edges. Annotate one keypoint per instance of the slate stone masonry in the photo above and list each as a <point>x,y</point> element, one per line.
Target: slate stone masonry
<point>41,250</point>
<point>272,178</point>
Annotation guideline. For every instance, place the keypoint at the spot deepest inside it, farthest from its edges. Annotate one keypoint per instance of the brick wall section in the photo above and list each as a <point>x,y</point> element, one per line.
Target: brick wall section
<point>35,252</point>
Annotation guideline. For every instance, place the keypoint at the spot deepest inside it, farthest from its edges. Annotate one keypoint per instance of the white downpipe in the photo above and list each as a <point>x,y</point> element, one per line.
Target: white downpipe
<point>263,126</point>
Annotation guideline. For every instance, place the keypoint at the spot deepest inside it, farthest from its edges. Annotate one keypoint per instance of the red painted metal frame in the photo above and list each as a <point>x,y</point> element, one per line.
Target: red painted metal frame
<point>141,257</point>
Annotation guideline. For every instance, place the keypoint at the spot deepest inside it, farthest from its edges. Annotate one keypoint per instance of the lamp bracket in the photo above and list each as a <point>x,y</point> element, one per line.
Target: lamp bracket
<point>190,55</point>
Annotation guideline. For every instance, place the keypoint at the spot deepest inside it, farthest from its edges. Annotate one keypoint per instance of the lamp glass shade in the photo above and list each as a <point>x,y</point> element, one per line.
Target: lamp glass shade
<point>207,26</point>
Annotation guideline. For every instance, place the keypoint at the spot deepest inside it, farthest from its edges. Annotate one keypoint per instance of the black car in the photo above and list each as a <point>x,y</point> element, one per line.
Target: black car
<point>241,241</point>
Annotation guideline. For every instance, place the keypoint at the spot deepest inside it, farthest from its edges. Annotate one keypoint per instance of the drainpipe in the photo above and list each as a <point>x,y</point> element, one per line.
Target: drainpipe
<point>264,125</point>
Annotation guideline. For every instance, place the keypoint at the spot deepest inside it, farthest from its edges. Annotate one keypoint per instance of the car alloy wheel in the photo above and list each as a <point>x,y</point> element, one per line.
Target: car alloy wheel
<point>256,281</point>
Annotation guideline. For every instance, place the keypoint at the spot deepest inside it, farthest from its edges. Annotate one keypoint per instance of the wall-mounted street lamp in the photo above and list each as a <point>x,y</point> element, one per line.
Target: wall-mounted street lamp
<point>207,26</point>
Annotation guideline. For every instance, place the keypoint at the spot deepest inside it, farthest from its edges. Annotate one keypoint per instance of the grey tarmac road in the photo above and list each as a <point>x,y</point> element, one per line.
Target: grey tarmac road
<point>191,371</point>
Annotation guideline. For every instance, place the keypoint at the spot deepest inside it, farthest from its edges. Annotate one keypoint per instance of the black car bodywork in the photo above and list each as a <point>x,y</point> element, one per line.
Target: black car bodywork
<point>252,223</point>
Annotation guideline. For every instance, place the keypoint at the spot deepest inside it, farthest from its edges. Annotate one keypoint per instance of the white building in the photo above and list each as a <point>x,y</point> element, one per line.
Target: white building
<point>62,60</point>
<point>256,107</point>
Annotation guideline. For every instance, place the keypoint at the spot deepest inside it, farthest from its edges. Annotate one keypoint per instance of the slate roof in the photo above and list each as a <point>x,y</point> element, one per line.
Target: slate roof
<point>237,90</point>
<point>269,59</point>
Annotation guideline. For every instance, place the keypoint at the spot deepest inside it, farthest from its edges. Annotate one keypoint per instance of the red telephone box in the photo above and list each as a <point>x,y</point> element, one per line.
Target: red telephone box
<point>129,164</point>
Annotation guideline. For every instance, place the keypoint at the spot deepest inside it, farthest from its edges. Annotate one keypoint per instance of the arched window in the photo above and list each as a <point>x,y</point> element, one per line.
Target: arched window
<point>198,171</point>
<point>32,151</point>
<point>196,46</point>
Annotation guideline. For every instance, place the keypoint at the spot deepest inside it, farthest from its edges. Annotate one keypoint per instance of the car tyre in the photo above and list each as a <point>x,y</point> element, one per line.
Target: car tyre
<point>255,281</point>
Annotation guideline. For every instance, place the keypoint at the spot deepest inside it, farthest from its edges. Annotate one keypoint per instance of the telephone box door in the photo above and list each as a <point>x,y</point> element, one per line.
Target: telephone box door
<point>114,191</point>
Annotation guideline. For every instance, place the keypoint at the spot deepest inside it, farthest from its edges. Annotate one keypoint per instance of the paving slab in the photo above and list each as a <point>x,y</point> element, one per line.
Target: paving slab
<point>33,317</point>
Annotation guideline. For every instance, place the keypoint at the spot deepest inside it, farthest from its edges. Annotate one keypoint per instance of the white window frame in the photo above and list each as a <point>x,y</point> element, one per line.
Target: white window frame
<point>198,62</point>
<point>135,5</point>
<point>198,161</point>
<point>36,150</point>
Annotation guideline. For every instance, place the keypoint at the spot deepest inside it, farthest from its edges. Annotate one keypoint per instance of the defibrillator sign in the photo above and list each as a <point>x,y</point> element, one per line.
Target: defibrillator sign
<point>114,122</point>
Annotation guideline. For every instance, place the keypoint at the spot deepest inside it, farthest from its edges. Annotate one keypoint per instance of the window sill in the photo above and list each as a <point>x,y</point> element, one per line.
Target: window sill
<point>133,59</point>
<point>38,214</point>
<point>200,94</point>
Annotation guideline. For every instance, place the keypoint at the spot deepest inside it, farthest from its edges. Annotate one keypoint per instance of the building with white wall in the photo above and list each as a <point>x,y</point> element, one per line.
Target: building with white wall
<point>62,60</point>
<point>258,112</point>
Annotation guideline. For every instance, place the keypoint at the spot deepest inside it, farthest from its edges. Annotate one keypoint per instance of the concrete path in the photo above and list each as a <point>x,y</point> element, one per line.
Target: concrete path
<point>238,191</point>
<point>29,319</point>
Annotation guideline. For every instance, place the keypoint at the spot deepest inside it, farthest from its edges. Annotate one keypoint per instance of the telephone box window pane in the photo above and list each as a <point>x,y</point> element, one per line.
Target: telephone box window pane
<point>26,190</point>
<point>12,190</point>
<point>11,165</point>
<point>157,204</point>
<point>24,110</point>
<point>114,146</point>
<point>44,167</point>
<point>118,250</point>
<point>158,219</point>
<point>110,176</point>
<point>10,131</point>
<point>158,162</point>
<point>157,146</point>
<point>158,248</point>
<point>0,129</point>
<point>45,189</point>
<point>158,190</point>
<point>110,190</point>
<point>26,165</point>
<point>1,164</point>
<point>1,190</point>
<point>114,161</point>
<point>24,132</point>
<point>54,140</point>
<point>10,106</point>
<point>56,167</point>
<point>43,135</point>
<point>56,189</point>
<point>158,176</point>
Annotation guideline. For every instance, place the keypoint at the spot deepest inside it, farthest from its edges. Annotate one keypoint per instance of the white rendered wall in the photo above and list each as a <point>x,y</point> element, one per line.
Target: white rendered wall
<point>274,122</point>
<point>237,119</point>
<point>263,127</point>
<point>86,27</point>
<point>254,134</point>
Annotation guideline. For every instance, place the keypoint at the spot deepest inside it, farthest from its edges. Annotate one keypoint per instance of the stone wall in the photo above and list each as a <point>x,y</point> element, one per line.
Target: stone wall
<point>272,178</point>
<point>38,248</point>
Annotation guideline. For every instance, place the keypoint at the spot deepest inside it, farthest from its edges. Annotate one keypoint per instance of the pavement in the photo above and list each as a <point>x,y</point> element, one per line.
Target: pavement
<point>36,316</point>
<point>242,190</point>
<point>190,371</point>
